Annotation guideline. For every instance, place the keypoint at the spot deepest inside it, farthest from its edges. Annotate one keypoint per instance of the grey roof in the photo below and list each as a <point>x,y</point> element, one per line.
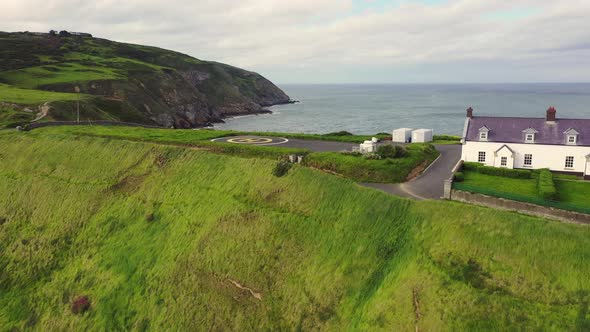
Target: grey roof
<point>510,130</point>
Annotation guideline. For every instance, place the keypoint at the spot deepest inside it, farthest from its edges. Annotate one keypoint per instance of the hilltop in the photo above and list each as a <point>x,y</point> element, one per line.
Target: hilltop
<point>107,233</point>
<point>39,74</point>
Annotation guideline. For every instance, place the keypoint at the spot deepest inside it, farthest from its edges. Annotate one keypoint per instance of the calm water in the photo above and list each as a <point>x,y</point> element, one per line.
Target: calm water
<point>368,109</point>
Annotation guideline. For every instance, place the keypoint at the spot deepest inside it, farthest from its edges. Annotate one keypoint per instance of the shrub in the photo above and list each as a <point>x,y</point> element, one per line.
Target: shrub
<point>80,305</point>
<point>446,138</point>
<point>339,133</point>
<point>391,151</point>
<point>497,171</point>
<point>352,153</point>
<point>281,168</point>
<point>372,156</point>
<point>505,172</point>
<point>459,177</point>
<point>546,185</point>
<point>471,166</point>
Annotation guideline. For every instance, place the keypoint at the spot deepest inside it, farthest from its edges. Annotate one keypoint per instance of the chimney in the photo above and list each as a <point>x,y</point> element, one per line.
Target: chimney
<point>551,112</point>
<point>470,112</point>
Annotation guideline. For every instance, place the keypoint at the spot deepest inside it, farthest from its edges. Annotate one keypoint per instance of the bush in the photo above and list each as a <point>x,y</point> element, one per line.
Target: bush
<point>505,172</point>
<point>459,177</point>
<point>546,186</point>
<point>80,305</point>
<point>339,133</point>
<point>498,171</point>
<point>281,169</point>
<point>446,138</point>
<point>372,156</point>
<point>471,166</point>
<point>391,151</point>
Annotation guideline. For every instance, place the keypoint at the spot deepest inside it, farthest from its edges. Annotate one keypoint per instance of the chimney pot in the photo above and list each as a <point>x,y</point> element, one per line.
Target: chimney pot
<point>551,114</point>
<point>470,112</point>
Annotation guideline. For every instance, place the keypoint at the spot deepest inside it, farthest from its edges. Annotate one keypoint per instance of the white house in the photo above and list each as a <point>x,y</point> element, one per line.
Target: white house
<point>562,145</point>
<point>402,135</point>
<point>422,135</point>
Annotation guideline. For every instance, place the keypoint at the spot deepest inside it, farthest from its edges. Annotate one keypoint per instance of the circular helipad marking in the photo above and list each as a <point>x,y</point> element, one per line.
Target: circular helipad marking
<point>252,140</point>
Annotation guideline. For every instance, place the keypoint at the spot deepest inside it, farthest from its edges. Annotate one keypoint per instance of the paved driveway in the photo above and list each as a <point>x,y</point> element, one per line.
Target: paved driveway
<point>430,184</point>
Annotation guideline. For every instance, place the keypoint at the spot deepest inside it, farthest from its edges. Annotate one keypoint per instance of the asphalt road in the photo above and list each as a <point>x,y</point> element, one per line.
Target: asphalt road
<point>429,185</point>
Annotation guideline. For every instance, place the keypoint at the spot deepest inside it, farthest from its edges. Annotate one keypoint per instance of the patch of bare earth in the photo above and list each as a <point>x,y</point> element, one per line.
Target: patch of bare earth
<point>254,294</point>
<point>417,171</point>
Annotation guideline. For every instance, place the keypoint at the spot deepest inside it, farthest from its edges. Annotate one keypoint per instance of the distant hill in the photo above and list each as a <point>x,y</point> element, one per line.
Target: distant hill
<point>40,72</point>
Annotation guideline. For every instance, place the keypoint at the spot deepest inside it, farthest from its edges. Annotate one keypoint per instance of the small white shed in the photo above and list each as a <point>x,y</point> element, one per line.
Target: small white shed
<point>422,135</point>
<point>402,135</point>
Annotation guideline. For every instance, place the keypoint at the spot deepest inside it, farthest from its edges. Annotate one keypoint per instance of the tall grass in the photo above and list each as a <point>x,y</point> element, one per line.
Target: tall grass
<point>157,237</point>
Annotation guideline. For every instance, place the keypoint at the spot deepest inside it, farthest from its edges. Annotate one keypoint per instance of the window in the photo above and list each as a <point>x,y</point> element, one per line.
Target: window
<point>530,138</point>
<point>569,162</point>
<point>503,161</point>
<point>528,159</point>
<point>483,135</point>
<point>481,157</point>
<point>571,139</point>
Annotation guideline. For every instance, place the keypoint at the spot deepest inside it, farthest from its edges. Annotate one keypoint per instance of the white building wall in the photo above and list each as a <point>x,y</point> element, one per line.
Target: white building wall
<point>544,156</point>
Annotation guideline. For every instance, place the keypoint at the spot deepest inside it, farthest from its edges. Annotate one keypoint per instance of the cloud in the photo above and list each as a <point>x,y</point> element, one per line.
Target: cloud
<point>277,36</point>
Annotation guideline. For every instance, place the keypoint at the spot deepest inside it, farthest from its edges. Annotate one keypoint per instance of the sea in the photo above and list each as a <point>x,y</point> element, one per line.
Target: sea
<point>371,109</point>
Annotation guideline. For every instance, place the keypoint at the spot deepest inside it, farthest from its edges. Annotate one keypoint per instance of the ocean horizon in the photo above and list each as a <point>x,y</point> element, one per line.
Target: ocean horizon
<point>374,108</point>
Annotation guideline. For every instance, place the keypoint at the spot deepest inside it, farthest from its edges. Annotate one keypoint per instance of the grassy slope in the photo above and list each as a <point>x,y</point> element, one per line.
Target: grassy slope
<point>323,252</point>
<point>353,167</point>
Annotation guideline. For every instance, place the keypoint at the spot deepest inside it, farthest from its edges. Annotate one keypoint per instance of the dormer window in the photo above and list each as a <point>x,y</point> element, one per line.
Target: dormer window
<point>530,138</point>
<point>571,136</point>
<point>484,133</point>
<point>530,135</point>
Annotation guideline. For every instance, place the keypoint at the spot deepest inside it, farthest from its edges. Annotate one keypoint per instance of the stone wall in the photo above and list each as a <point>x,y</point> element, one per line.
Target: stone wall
<point>526,208</point>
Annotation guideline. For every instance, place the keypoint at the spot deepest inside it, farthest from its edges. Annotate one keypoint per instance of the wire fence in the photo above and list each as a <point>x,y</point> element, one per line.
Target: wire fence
<point>521,198</point>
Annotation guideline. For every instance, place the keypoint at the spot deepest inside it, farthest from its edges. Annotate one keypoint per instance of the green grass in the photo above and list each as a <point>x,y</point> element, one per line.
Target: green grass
<point>353,167</point>
<point>16,95</point>
<point>34,77</point>
<point>574,192</point>
<point>525,187</point>
<point>367,170</point>
<point>571,195</point>
<point>153,234</point>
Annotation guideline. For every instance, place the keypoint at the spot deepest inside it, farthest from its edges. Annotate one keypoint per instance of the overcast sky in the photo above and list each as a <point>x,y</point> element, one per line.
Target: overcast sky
<point>343,41</point>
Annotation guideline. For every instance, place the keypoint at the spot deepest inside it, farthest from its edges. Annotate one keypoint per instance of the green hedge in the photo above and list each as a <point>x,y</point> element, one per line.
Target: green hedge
<point>497,171</point>
<point>459,177</point>
<point>546,185</point>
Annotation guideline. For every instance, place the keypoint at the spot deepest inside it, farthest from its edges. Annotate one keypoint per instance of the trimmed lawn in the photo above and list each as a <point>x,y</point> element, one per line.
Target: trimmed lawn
<point>574,192</point>
<point>525,187</point>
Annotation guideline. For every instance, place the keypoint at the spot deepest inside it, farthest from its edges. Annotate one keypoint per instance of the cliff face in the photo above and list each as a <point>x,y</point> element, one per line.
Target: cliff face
<point>132,82</point>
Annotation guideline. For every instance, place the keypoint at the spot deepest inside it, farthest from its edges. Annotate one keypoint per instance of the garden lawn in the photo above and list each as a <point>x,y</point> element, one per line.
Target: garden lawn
<point>524,187</point>
<point>574,192</point>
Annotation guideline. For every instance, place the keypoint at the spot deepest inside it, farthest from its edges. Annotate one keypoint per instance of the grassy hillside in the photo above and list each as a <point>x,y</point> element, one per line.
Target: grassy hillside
<point>171,238</point>
<point>123,82</point>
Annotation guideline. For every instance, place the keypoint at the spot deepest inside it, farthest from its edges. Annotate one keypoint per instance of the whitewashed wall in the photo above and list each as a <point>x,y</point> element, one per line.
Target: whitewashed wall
<point>544,156</point>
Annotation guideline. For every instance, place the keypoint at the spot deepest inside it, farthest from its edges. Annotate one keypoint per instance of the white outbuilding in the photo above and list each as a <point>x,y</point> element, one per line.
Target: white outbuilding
<point>402,135</point>
<point>369,146</point>
<point>422,135</point>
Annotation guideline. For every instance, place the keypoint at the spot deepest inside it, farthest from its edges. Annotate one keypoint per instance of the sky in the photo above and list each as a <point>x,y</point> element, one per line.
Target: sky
<point>343,41</point>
